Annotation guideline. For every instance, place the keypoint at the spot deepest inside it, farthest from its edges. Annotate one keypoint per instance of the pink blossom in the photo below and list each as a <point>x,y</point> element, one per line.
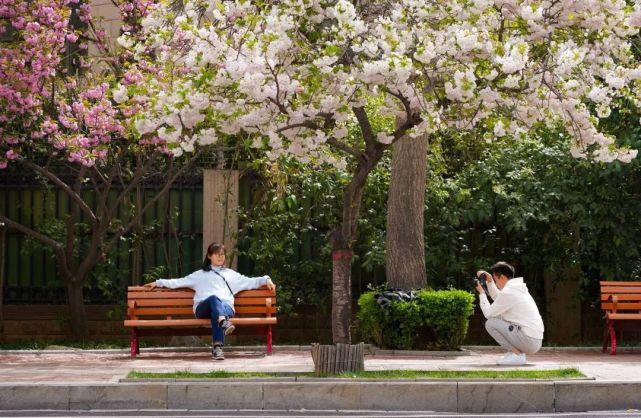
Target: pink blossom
<point>72,37</point>
<point>132,77</point>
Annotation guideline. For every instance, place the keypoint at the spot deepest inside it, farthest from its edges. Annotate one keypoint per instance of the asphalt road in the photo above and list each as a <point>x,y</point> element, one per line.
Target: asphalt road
<point>294,413</point>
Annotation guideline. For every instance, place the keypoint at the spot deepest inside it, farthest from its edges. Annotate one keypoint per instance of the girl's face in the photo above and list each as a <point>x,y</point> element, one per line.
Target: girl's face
<point>217,259</point>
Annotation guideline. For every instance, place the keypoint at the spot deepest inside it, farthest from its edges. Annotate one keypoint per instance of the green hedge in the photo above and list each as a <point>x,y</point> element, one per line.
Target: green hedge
<point>434,320</point>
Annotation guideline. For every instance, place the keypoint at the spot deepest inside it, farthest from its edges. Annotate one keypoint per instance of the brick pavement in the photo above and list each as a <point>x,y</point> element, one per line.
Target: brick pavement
<point>109,366</point>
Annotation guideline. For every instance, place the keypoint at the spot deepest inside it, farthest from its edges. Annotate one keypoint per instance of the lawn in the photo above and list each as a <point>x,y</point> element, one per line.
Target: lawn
<point>567,373</point>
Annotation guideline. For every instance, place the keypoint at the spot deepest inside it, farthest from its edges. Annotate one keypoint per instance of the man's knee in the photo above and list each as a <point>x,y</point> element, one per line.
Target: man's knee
<point>492,324</point>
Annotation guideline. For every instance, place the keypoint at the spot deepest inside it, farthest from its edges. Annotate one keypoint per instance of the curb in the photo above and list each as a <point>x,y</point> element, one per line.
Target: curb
<point>443,396</point>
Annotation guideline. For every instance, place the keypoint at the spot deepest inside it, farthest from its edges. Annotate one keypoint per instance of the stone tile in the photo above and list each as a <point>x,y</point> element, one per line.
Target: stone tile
<point>118,396</point>
<point>308,395</point>
<point>410,396</point>
<point>505,397</point>
<point>34,397</point>
<point>597,396</point>
<point>214,395</point>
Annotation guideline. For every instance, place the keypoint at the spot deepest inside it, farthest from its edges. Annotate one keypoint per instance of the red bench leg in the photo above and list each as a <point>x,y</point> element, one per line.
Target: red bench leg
<point>269,340</point>
<point>613,336</point>
<point>134,343</point>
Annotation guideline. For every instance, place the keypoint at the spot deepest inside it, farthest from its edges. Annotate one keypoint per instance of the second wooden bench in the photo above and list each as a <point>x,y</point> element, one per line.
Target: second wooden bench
<point>621,302</point>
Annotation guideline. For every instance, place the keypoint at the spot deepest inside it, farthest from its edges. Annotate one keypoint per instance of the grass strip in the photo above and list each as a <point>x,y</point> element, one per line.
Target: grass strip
<point>566,373</point>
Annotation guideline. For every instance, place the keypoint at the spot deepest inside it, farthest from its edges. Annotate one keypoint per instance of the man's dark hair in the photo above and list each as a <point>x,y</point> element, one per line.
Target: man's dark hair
<point>503,268</point>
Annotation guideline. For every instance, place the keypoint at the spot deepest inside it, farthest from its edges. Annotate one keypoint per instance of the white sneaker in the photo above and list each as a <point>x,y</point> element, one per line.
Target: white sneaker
<point>512,359</point>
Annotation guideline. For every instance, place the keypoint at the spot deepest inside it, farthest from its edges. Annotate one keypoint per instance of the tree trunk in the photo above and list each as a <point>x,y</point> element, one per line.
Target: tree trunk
<point>341,295</point>
<point>77,315</point>
<point>3,231</point>
<point>342,240</point>
<point>405,245</point>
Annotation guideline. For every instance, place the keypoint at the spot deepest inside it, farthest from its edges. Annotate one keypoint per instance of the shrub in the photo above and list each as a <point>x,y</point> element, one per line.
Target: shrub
<point>435,319</point>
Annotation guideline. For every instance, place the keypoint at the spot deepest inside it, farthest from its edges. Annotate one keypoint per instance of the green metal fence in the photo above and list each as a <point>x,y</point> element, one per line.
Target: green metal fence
<point>172,238</point>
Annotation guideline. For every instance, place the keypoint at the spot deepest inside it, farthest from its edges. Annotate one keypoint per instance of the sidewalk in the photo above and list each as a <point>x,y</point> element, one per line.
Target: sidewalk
<point>90,380</point>
<point>102,366</point>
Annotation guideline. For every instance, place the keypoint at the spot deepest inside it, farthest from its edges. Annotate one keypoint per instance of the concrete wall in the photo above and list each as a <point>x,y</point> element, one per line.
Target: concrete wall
<point>220,210</point>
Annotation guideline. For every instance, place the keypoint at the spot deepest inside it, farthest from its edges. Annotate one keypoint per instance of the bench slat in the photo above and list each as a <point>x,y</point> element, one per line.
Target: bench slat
<point>621,296</point>
<point>626,290</point>
<point>622,306</point>
<point>172,310</point>
<point>625,316</point>
<point>252,301</point>
<point>169,323</point>
<point>189,302</point>
<point>158,295</point>
<point>164,302</point>
<point>254,292</point>
<point>617,283</point>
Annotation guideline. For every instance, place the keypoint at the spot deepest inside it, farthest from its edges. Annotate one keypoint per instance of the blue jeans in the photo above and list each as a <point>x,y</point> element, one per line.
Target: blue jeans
<point>212,308</point>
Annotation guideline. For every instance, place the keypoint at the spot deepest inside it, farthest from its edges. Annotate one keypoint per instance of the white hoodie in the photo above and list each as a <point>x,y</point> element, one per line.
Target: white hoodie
<point>515,305</point>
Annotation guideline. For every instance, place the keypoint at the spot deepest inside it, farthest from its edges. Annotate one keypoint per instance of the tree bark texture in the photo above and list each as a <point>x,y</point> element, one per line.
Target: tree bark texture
<point>342,240</point>
<point>77,314</point>
<point>405,245</point>
<point>335,359</point>
<point>3,235</point>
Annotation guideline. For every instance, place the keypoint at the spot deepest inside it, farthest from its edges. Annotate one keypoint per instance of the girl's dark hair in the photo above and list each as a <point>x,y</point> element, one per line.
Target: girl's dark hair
<point>503,268</point>
<point>214,248</point>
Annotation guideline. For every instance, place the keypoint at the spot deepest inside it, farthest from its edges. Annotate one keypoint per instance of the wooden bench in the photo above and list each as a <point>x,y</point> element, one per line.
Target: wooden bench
<point>621,302</point>
<point>163,311</point>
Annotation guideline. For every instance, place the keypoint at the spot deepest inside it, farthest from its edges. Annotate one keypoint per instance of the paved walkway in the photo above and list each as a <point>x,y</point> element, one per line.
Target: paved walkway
<point>109,366</point>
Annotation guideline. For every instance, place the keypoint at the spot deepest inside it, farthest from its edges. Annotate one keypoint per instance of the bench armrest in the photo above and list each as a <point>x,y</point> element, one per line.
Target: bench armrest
<point>268,305</point>
<point>131,305</point>
<point>614,299</point>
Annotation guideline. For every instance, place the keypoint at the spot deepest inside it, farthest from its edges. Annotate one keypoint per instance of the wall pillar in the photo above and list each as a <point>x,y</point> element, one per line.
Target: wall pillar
<point>220,211</point>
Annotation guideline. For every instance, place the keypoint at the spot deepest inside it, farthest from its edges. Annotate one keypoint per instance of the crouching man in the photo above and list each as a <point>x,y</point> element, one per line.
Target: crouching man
<point>513,318</point>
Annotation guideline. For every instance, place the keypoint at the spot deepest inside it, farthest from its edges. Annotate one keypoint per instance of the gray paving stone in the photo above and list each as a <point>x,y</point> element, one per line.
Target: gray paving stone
<point>214,395</point>
<point>308,395</point>
<point>597,396</point>
<point>118,396</point>
<point>36,396</point>
<point>505,397</point>
<point>410,396</point>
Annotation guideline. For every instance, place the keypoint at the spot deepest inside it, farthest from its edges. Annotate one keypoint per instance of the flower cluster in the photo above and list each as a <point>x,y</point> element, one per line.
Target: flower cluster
<point>294,73</point>
<point>43,104</point>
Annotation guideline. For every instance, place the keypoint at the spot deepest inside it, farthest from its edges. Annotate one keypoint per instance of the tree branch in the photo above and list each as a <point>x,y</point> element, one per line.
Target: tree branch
<point>62,185</point>
<point>57,247</point>
<point>344,147</point>
<point>365,125</point>
<point>135,220</point>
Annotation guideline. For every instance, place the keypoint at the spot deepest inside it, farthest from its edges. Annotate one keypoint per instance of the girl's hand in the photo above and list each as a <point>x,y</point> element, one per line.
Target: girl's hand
<point>270,285</point>
<point>150,286</point>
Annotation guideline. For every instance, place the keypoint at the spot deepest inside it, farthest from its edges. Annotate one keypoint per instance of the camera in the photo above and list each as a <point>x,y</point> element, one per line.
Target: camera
<point>482,280</point>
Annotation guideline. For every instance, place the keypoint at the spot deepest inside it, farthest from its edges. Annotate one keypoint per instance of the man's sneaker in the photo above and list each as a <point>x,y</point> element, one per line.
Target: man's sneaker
<point>512,360</point>
<point>227,326</point>
<point>217,353</point>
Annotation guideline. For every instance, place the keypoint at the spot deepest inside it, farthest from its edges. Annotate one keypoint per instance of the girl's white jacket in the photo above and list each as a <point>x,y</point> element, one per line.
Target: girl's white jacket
<point>208,283</point>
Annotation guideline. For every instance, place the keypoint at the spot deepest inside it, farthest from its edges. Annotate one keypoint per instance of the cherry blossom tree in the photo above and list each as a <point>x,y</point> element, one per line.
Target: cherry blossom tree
<point>64,120</point>
<point>296,76</point>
